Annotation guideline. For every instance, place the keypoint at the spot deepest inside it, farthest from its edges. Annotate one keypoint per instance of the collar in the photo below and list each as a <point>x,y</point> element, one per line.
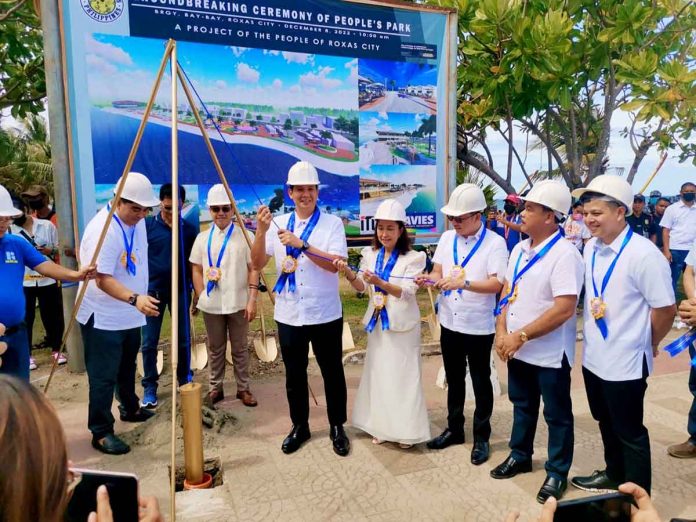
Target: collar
<point>475,236</point>
<point>681,203</point>
<point>615,245</point>
<point>526,245</point>
<point>224,230</point>
<point>302,221</point>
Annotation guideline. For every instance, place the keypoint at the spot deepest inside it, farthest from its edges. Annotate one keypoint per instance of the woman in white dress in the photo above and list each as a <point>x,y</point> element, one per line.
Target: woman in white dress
<point>390,404</point>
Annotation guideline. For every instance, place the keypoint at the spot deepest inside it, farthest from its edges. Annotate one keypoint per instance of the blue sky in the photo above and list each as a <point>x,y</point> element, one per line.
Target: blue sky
<point>403,73</point>
<point>120,67</point>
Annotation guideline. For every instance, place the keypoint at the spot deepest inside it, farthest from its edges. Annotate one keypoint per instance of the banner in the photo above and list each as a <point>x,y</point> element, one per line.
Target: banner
<point>362,91</point>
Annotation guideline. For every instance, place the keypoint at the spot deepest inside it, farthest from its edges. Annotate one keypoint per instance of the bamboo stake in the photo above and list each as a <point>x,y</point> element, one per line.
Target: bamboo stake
<point>112,210</point>
<point>174,350</point>
<point>228,190</point>
<point>652,176</point>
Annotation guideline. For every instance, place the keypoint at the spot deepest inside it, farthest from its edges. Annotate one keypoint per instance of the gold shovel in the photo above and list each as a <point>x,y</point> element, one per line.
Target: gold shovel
<point>199,351</point>
<point>266,347</point>
<point>431,319</point>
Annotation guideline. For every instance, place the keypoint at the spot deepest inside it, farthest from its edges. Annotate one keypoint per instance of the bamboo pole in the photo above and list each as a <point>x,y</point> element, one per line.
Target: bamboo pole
<point>112,210</point>
<point>652,176</point>
<point>174,303</point>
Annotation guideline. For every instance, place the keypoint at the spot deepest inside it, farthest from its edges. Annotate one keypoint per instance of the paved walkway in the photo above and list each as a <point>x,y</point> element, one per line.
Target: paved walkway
<point>379,482</point>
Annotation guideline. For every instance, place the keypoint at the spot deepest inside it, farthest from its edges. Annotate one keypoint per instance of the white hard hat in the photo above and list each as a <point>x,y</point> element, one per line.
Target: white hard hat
<point>138,189</point>
<point>615,187</point>
<point>391,210</point>
<point>466,198</point>
<point>7,209</point>
<point>552,194</point>
<point>303,173</point>
<point>218,196</point>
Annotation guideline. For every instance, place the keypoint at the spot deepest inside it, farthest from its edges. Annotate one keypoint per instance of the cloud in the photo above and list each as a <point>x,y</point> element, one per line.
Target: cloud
<point>277,84</point>
<point>221,84</point>
<point>383,115</point>
<point>238,51</point>
<point>247,74</point>
<point>353,76</point>
<point>295,89</point>
<point>109,52</point>
<point>270,52</point>
<point>351,64</point>
<point>303,58</point>
<point>97,64</point>
<point>320,79</point>
<point>373,122</point>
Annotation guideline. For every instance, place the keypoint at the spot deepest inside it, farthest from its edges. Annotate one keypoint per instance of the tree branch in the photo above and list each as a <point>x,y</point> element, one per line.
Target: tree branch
<point>549,146</point>
<point>4,16</point>
<point>519,160</point>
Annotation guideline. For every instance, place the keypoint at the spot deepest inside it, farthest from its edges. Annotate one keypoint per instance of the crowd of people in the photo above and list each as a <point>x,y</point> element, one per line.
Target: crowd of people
<point>508,282</point>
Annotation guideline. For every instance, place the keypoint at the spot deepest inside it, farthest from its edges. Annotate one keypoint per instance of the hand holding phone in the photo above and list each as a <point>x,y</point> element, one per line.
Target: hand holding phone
<point>108,496</point>
<point>609,507</point>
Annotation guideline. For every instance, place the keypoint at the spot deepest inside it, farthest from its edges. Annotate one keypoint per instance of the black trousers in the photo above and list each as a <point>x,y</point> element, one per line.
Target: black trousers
<point>458,349</point>
<point>618,407</point>
<point>327,343</point>
<point>50,300</point>
<point>110,361</point>
<point>527,384</point>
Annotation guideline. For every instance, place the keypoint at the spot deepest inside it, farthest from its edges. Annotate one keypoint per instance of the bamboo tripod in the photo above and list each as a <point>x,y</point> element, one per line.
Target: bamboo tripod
<point>170,56</point>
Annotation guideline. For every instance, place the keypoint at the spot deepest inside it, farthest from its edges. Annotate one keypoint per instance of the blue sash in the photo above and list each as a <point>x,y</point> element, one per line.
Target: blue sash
<point>600,322</point>
<point>130,265</point>
<point>295,252</point>
<point>468,257</point>
<point>212,284</point>
<point>517,275</point>
<point>382,274</point>
<point>679,345</point>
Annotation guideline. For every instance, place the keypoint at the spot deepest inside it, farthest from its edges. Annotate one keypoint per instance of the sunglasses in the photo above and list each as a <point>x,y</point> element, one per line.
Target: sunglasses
<point>461,219</point>
<point>167,208</point>
<point>225,209</point>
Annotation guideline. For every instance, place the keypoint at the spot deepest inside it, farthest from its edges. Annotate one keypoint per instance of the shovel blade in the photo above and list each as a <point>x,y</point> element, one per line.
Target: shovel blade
<point>348,341</point>
<point>199,356</point>
<point>434,326</point>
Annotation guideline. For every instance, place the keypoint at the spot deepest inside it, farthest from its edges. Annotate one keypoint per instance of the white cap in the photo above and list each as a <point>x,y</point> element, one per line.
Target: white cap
<point>138,189</point>
<point>466,198</point>
<point>218,196</point>
<point>303,173</point>
<point>7,209</point>
<point>391,210</point>
<point>613,186</point>
<point>552,194</point>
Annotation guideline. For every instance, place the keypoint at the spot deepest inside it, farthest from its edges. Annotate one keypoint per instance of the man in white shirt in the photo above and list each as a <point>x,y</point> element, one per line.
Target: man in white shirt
<point>113,311</point>
<point>465,312</point>
<point>629,307</point>
<point>535,334</point>
<point>679,231</point>
<point>226,288</point>
<point>308,309</point>
<point>687,313</point>
<point>43,236</point>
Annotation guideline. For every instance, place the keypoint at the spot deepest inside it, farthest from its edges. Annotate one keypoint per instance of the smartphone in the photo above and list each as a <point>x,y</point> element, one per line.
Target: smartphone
<point>609,507</point>
<point>123,495</point>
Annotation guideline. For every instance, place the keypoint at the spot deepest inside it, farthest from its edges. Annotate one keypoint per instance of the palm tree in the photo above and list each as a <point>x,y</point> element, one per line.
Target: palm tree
<point>25,156</point>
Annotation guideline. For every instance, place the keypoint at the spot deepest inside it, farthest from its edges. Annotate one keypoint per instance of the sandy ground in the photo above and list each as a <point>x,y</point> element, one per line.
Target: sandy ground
<point>373,483</point>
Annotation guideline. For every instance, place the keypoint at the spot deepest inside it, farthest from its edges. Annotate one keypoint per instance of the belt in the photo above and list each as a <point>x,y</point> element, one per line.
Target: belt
<point>13,329</point>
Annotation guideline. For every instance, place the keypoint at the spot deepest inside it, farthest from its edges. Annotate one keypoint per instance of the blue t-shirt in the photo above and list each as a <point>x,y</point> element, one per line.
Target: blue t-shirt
<point>15,253</point>
<point>159,253</point>
<point>512,237</point>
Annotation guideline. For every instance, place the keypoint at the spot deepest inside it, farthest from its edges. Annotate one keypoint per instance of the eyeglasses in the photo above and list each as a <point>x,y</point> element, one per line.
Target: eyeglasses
<point>224,209</point>
<point>74,478</point>
<point>167,208</point>
<point>461,219</point>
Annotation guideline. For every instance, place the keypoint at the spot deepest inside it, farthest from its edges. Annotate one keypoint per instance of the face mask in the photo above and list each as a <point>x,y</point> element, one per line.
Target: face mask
<point>510,209</point>
<point>689,196</point>
<point>20,220</point>
<point>36,204</point>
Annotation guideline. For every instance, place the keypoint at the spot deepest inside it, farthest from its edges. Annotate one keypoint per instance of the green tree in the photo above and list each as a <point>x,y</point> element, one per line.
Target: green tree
<point>559,70</point>
<point>288,124</point>
<point>25,156</point>
<point>428,128</point>
<point>22,79</point>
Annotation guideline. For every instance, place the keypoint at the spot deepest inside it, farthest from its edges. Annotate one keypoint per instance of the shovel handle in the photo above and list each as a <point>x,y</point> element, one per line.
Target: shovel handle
<point>432,301</point>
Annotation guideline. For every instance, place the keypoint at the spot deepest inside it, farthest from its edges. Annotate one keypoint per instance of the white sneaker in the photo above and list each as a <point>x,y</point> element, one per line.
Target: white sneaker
<point>61,358</point>
<point>32,364</point>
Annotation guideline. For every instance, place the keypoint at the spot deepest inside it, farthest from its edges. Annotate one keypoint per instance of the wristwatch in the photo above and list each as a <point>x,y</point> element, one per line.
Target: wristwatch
<point>305,246</point>
<point>524,337</point>
<point>467,283</point>
<point>133,299</point>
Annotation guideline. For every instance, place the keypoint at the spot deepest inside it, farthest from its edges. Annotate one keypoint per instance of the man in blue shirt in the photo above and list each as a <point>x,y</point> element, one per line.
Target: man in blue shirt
<point>509,224</point>
<point>159,239</point>
<point>15,254</point>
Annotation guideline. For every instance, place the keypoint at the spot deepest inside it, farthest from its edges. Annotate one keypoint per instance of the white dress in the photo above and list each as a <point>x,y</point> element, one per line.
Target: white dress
<point>390,404</point>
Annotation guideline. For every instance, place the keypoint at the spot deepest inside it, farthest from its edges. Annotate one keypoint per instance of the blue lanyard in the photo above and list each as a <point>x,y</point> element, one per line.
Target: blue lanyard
<point>465,261</point>
<point>601,323</point>
<point>212,284</point>
<point>130,265</point>
<point>517,275</point>
<point>382,273</point>
<point>682,343</point>
<point>289,277</point>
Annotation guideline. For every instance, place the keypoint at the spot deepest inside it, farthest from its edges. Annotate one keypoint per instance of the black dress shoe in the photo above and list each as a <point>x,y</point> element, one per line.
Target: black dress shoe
<point>445,439</point>
<point>480,453</point>
<point>297,436</point>
<point>552,487</point>
<point>598,482</point>
<point>111,445</point>
<point>510,468</point>
<point>341,444</point>
<point>139,415</point>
